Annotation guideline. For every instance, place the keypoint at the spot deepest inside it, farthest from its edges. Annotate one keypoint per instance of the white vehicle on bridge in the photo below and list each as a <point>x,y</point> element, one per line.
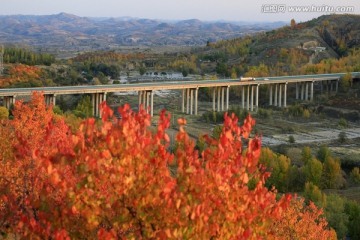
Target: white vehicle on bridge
<point>247,79</point>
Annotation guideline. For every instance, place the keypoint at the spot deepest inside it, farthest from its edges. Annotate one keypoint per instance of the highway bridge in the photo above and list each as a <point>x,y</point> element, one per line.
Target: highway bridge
<point>220,89</point>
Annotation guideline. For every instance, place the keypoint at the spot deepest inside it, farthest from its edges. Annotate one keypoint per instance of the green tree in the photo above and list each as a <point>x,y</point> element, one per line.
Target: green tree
<point>279,166</point>
<point>84,108</point>
<point>200,144</point>
<point>323,153</point>
<point>335,214</point>
<point>313,171</point>
<point>314,194</point>
<point>222,69</point>
<point>355,175</point>
<point>214,117</point>
<point>216,131</point>
<point>352,209</point>
<point>346,82</point>
<point>4,113</point>
<point>331,177</point>
<point>306,113</point>
<point>142,70</point>
<point>306,155</point>
<point>296,179</point>
<point>57,110</point>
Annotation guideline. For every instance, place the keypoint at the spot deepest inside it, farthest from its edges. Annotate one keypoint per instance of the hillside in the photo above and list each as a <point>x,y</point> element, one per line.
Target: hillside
<point>66,32</point>
<point>286,49</point>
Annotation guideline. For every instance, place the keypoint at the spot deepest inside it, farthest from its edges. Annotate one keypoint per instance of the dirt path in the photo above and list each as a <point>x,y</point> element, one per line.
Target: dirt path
<point>311,137</point>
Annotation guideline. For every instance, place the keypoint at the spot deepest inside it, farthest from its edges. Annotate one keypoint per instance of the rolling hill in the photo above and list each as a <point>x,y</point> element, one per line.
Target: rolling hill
<point>290,47</point>
<point>66,32</point>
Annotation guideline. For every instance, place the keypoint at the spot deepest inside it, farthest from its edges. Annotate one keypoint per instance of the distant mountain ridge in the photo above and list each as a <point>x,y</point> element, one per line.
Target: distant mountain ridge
<point>65,31</point>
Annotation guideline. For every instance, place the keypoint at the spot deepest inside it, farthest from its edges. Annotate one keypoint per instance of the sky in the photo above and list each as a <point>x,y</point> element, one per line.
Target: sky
<point>207,10</point>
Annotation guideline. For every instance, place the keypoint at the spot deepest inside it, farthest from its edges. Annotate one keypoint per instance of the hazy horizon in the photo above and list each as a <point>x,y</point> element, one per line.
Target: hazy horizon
<point>204,10</point>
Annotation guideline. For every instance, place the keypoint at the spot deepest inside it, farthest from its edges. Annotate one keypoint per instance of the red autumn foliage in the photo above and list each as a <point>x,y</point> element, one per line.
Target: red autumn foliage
<point>20,73</point>
<point>298,222</point>
<point>111,180</point>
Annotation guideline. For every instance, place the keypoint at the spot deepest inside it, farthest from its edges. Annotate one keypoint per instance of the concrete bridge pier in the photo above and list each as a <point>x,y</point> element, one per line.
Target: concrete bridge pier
<point>252,98</point>
<point>257,97</point>
<point>279,98</point>
<point>280,89</point>
<point>250,92</point>
<point>191,101</point>
<point>302,97</point>
<point>243,97</point>
<point>227,97</point>
<point>254,103</point>
<point>248,98</point>
<point>97,99</point>
<point>334,85</point>
<point>50,99</point>
<point>312,91</point>
<point>183,101</point>
<point>331,86</point>
<point>296,91</point>
<point>220,100</point>
<point>196,100</point>
<point>146,99</point>
<point>190,98</point>
<point>214,99</point>
<point>321,87</point>
<point>8,101</point>
<point>285,93</point>
<point>276,95</point>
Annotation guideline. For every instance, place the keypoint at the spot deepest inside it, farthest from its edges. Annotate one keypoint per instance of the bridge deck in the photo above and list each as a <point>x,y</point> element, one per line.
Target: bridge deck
<point>170,85</point>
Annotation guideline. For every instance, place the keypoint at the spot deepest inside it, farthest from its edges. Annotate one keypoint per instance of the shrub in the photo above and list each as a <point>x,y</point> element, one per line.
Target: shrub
<point>355,175</point>
<point>343,123</point>
<point>342,138</point>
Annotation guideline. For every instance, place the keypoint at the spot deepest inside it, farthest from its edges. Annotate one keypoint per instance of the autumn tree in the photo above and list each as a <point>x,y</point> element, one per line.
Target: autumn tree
<point>290,226</point>
<point>111,180</point>
<point>346,82</point>
<point>306,155</point>
<point>258,71</point>
<point>27,185</point>
<point>355,175</point>
<point>279,166</point>
<point>313,171</point>
<point>4,113</point>
<point>331,176</point>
